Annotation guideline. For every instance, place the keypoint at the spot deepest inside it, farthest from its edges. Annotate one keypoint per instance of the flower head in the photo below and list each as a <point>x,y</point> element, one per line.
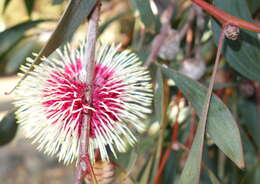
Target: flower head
<point>51,102</point>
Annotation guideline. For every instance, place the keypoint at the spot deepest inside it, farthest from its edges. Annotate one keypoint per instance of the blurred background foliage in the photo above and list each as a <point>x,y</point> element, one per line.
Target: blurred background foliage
<point>189,50</point>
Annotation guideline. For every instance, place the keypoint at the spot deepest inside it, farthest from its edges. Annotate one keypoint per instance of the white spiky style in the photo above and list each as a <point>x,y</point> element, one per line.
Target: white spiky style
<point>51,102</point>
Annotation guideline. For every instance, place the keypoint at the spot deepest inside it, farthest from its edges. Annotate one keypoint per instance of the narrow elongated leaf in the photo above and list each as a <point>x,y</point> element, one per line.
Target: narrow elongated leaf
<point>17,55</point>
<point>159,106</point>
<point>6,3</point>
<point>73,16</point>
<point>12,35</point>
<point>103,26</point>
<point>143,7</point>
<point>172,166</point>
<point>29,4</point>
<point>243,54</point>
<point>132,162</point>
<point>158,96</point>
<point>191,170</point>
<point>212,177</point>
<point>55,2</point>
<point>147,172</point>
<point>253,5</point>
<point>250,119</point>
<point>8,128</point>
<point>221,125</point>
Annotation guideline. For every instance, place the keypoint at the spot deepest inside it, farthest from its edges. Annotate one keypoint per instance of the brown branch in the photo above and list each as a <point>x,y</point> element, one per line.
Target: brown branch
<point>84,164</point>
<point>159,39</point>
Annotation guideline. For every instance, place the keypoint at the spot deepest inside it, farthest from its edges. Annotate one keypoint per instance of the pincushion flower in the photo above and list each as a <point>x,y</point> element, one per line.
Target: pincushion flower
<point>51,102</point>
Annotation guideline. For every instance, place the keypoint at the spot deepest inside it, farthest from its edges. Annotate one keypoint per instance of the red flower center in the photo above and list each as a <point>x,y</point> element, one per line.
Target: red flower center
<point>66,103</point>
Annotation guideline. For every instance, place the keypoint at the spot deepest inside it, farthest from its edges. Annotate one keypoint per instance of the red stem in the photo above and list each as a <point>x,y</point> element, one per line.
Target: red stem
<point>175,131</point>
<point>226,18</point>
<point>162,165</point>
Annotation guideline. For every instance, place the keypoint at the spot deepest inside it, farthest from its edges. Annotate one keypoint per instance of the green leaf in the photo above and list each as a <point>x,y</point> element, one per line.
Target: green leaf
<point>12,35</point>
<point>191,170</point>
<point>252,176</point>
<point>73,16</point>
<point>6,3</point>
<point>212,177</point>
<point>143,7</point>
<point>249,150</point>
<point>253,5</point>
<point>17,55</point>
<point>250,118</point>
<point>132,162</point>
<point>29,4</point>
<point>160,117</point>
<point>243,54</point>
<point>147,172</point>
<point>171,167</point>
<point>221,125</point>
<point>56,2</point>
<point>158,96</point>
<point>8,128</point>
<point>110,21</point>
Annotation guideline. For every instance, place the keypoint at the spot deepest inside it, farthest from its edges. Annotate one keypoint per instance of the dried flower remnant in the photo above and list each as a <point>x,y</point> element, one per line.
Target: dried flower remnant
<point>170,46</point>
<point>51,102</point>
<point>104,172</point>
<point>193,68</point>
<point>231,32</point>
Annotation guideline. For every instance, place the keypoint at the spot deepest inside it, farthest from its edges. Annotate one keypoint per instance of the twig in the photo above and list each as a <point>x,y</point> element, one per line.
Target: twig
<point>159,39</point>
<point>197,146</point>
<point>257,87</point>
<point>212,80</point>
<point>211,85</point>
<point>187,25</point>
<point>186,28</point>
<point>200,24</point>
<point>89,63</point>
<point>226,18</point>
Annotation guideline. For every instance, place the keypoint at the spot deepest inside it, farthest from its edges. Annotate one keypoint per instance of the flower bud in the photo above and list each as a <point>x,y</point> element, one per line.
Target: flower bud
<point>231,31</point>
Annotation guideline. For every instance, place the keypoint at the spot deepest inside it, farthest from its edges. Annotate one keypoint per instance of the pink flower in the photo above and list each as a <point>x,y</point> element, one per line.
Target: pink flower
<point>51,102</point>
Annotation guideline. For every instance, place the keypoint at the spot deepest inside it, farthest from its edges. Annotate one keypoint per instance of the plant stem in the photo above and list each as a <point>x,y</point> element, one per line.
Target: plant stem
<point>212,80</point>
<point>188,23</point>
<point>226,18</point>
<point>84,161</point>
<point>197,145</point>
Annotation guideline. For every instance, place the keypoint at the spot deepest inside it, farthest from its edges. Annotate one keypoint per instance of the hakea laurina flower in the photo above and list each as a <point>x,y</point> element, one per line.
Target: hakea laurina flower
<point>51,102</point>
